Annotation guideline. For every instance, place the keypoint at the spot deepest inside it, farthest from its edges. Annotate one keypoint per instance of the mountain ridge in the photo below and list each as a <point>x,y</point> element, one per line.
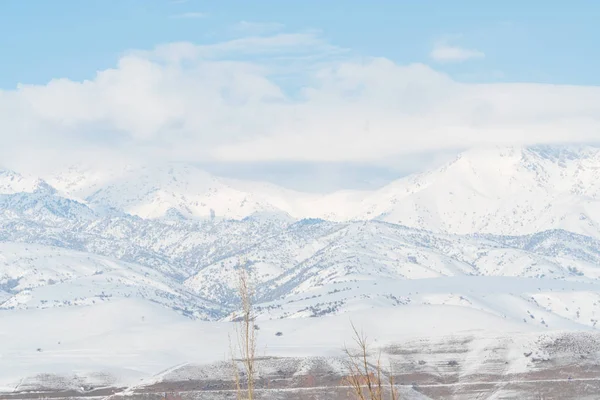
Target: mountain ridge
<point>514,190</point>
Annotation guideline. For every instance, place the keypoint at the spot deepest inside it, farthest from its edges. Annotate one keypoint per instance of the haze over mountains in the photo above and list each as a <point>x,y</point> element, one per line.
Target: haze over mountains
<point>504,235</point>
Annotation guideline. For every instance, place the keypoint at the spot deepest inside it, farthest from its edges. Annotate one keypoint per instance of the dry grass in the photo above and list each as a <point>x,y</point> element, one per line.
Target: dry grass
<point>365,379</point>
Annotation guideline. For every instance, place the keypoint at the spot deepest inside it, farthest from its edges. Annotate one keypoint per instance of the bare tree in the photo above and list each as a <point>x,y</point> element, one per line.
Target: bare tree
<point>365,379</point>
<point>246,338</point>
<point>236,372</point>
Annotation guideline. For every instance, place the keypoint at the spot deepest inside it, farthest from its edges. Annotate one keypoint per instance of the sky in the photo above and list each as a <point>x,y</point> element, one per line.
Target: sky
<point>355,92</point>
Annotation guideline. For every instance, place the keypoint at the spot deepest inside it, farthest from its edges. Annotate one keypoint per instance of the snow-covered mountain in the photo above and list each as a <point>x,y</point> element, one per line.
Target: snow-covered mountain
<point>41,277</point>
<point>533,209</point>
<point>311,258</point>
<point>164,190</point>
<point>13,182</point>
<point>510,235</point>
<point>505,191</point>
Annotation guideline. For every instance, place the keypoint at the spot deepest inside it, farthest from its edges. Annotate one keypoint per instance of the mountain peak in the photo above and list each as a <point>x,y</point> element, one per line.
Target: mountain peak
<point>13,182</point>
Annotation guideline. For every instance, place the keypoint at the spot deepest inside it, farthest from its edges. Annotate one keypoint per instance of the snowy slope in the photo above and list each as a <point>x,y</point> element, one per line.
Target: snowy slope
<point>12,182</point>
<point>43,205</point>
<point>40,277</point>
<point>125,340</point>
<point>158,191</point>
<point>187,191</point>
<point>291,258</point>
<point>313,253</point>
<point>506,191</point>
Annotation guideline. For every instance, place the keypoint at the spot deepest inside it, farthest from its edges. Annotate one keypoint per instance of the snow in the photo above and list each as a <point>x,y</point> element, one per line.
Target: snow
<point>118,273</point>
<point>128,339</point>
<point>505,191</point>
<point>47,277</point>
<point>12,182</point>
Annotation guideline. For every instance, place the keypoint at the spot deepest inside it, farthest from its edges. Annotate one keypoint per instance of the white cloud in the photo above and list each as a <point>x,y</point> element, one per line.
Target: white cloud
<point>257,28</point>
<point>443,52</point>
<point>205,103</point>
<point>279,45</point>
<point>189,15</point>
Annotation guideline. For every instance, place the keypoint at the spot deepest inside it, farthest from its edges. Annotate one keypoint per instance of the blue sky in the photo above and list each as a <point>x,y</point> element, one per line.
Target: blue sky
<point>354,92</point>
<point>532,41</point>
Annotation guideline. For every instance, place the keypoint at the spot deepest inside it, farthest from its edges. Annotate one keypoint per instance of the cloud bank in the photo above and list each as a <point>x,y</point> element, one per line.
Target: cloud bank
<point>284,97</point>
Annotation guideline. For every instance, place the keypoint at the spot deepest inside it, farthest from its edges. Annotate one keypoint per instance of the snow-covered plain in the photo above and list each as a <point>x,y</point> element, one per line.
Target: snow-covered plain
<point>127,342</point>
<point>110,275</point>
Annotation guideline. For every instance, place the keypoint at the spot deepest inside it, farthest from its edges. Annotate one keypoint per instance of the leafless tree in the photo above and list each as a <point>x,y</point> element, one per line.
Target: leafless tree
<point>365,379</point>
<point>246,338</point>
